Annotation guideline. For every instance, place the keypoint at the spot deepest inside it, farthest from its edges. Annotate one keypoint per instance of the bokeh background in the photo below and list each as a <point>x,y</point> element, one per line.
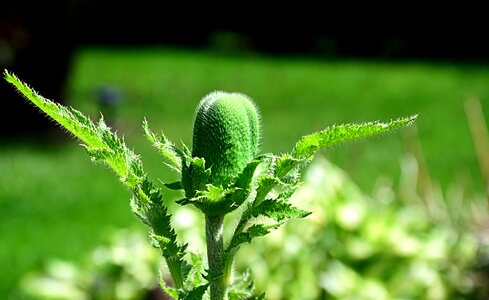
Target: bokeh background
<point>424,186</point>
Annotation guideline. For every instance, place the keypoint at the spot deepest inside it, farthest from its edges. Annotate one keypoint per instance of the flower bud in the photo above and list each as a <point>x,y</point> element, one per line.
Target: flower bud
<point>226,134</point>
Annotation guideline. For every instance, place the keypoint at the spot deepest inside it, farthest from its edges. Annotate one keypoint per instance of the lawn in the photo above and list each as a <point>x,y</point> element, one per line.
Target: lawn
<point>55,203</point>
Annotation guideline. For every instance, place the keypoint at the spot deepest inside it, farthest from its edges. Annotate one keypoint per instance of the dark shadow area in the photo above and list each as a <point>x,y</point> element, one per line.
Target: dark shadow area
<point>37,40</point>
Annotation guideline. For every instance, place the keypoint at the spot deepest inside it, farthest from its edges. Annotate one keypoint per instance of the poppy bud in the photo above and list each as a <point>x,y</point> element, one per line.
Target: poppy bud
<point>226,134</point>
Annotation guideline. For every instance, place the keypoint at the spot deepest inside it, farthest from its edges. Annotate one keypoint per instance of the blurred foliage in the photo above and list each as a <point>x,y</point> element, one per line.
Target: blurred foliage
<point>123,268</point>
<point>392,245</point>
<point>360,247</point>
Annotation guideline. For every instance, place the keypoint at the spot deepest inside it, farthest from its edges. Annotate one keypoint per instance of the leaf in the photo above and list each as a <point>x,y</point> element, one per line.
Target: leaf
<point>243,288</point>
<point>149,206</point>
<point>195,176</point>
<point>243,185</point>
<point>98,154</point>
<point>265,184</point>
<point>173,155</point>
<point>254,231</point>
<point>282,171</point>
<point>69,118</point>
<point>197,293</point>
<point>278,210</point>
<point>195,277</point>
<point>212,194</point>
<point>174,185</point>
<point>245,178</point>
<point>309,144</point>
<point>100,142</point>
<point>105,146</point>
<point>219,200</point>
<point>284,164</point>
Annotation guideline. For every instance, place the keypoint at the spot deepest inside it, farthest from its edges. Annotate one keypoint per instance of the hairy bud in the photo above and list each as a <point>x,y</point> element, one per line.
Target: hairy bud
<point>226,134</point>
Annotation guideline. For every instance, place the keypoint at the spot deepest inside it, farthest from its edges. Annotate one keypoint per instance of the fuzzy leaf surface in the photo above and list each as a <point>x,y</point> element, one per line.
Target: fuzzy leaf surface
<point>103,145</point>
<point>309,144</point>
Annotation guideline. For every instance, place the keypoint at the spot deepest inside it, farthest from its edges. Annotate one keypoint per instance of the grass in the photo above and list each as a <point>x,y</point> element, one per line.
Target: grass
<point>54,203</point>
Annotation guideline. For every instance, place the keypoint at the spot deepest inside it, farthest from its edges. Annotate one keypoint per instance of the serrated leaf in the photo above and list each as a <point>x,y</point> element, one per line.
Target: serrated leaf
<point>216,200</point>
<point>284,164</point>
<point>242,288</point>
<point>236,295</point>
<point>194,276</point>
<point>160,240</point>
<point>254,231</point>
<point>149,204</point>
<point>101,143</point>
<point>309,144</point>
<point>243,185</point>
<point>244,179</point>
<point>98,154</point>
<point>195,176</point>
<point>283,171</point>
<point>212,194</point>
<point>197,293</point>
<point>104,145</point>
<point>172,154</point>
<point>174,185</point>
<point>278,210</point>
<point>265,184</point>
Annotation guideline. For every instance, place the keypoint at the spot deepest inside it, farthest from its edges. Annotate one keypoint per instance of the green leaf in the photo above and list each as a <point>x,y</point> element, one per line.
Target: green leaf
<point>195,176</point>
<point>254,231</point>
<point>150,207</point>
<point>173,155</point>
<point>194,275</point>
<point>98,154</point>
<point>283,171</point>
<point>212,194</point>
<point>242,186</point>
<point>69,118</point>
<point>265,184</point>
<point>309,144</point>
<point>278,210</point>
<point>284,164</point>
<point>197,293</point>
<point>245,178</point>
<point>105,146</point>
<point>101,143</point>
<point>174,185</point>
<point>219,200</point>
<point>243,288</point>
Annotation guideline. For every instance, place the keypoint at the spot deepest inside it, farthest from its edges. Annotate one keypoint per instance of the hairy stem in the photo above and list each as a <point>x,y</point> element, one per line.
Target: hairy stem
<point>215,256</point>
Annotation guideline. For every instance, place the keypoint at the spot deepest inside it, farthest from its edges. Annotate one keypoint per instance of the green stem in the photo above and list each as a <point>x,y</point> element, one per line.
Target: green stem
<point>215,256</point>
<point>228,267</point>
<point>174,267</point>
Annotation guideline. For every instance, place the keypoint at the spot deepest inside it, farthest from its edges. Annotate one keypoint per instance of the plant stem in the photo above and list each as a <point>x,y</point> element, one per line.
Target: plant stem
<point>215,256</point>
<point>175,271</point>
<point>228,267</point>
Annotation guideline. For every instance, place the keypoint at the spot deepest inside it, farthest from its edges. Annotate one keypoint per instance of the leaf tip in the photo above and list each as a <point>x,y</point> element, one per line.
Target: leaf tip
<point>9,77</point>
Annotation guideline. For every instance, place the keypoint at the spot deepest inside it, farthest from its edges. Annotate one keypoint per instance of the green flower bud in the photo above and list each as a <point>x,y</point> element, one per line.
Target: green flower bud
<point>226,134</point>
